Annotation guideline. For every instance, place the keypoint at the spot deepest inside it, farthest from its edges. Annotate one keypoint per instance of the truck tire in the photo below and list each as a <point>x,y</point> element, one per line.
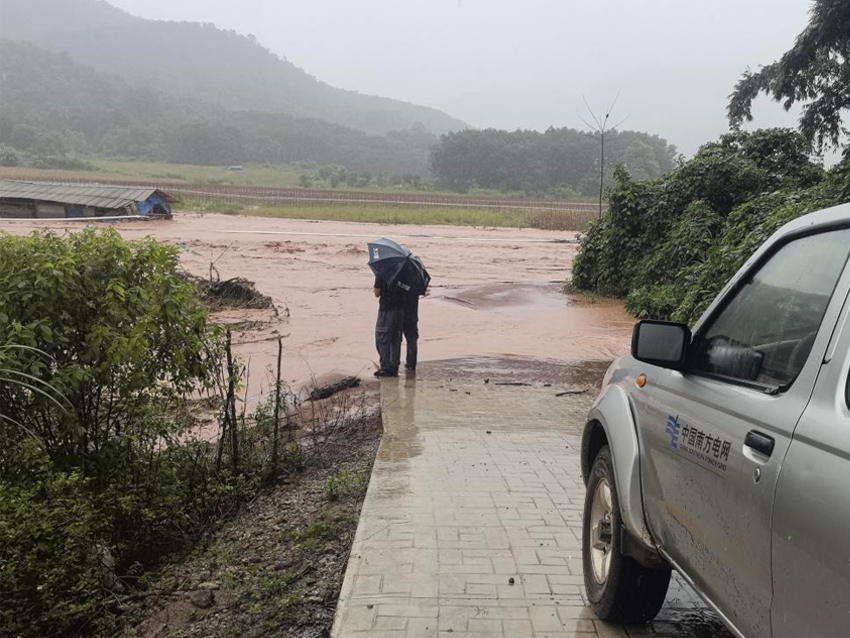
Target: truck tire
<point>618,588</point>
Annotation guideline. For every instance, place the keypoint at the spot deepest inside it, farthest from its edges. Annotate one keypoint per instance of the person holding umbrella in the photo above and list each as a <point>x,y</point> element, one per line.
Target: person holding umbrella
<point>399,276</point>
<point>388,329</point>
<point>410,324</point>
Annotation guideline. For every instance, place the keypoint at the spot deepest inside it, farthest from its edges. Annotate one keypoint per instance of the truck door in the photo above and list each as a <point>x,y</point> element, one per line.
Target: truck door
<point>811,521</point>
<point>714,438</point>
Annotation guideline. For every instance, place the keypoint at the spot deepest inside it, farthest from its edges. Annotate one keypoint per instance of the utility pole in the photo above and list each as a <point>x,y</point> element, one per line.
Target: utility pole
<point>602,163</point>
<point>601,127</point>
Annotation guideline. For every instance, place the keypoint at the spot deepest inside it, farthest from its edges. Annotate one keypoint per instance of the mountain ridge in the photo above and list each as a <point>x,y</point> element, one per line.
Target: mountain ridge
<point>52,106</point>
<point>219,66</point>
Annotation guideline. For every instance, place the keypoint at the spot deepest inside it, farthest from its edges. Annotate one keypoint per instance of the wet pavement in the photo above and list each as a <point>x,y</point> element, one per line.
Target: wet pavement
<point>472,523</point>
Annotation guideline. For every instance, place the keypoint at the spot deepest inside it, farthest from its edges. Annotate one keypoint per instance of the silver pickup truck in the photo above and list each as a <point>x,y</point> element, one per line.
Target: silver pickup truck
<point>724,452</point>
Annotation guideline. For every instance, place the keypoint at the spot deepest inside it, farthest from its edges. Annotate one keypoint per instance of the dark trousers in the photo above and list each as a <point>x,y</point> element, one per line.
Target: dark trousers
<point>388,337</point>
<point>410,330</point>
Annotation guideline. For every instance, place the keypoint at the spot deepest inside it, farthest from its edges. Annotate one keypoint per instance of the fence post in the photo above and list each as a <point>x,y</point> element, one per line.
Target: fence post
<point>277,405</point>
<point>231,405</point>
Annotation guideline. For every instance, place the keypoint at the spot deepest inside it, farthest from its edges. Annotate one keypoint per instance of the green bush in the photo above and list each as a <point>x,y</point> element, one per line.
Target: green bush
<point>104,350</point>
<point>124,336</point>
<point>669,245</point>
<point>346,484</point>
<point>52,548</point>
<point>96,479</point>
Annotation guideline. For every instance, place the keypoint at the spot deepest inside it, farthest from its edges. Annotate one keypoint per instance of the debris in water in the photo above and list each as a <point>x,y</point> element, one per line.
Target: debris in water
<point>233,293</point>
<point>331,389</point>
<point>566,392</point>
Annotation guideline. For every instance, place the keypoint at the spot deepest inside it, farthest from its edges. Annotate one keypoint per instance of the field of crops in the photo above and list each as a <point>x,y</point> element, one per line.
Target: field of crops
<point>343,204</point>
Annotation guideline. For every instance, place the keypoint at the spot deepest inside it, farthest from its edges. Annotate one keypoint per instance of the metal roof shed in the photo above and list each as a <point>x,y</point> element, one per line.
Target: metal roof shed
<point>48,200</point>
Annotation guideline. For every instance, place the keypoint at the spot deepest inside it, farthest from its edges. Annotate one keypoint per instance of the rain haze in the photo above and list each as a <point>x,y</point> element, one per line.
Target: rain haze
<point>510,64</point>
<point>424,318</point>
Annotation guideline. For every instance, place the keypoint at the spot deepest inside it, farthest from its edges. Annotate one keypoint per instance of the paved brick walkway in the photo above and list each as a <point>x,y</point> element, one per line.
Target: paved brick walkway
<point>472,523</point>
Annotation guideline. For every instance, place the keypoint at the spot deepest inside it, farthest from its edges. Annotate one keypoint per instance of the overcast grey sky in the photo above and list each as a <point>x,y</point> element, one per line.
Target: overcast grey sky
<point>525,63</point>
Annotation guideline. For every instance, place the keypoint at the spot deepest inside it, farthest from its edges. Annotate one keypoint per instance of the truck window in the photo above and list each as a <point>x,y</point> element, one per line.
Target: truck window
<point>765,333</point>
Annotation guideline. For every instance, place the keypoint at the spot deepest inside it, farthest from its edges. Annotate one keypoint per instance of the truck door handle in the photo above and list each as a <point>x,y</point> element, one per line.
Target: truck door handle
<point>759,442</point>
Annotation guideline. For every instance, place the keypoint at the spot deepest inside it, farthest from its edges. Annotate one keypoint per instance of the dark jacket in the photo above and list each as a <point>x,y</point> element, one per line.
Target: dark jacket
<point>392,297</point>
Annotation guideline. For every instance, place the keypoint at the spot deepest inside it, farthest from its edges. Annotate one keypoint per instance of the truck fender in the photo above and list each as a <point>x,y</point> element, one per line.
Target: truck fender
<point>611,417</point>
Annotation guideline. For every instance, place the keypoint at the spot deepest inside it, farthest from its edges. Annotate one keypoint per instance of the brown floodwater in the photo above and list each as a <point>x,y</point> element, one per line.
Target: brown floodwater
<point>495,292</point>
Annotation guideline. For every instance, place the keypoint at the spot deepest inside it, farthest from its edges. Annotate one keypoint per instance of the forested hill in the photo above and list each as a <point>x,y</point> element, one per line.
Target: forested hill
<point>220,67</point>
<point>51,107</point>
<point>216,102</point>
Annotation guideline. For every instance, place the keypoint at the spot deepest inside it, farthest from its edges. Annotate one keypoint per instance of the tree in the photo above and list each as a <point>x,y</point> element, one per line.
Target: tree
<point>668,245</point>
<point>207,143</point>
<point>814,72</point>
<point>533,162</point>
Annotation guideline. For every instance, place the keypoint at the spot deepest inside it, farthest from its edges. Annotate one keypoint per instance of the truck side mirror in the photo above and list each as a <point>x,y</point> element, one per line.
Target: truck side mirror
<point>661,343</point>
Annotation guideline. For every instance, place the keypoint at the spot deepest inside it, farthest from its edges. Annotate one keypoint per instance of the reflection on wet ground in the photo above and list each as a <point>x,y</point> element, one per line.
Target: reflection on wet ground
<point>472,523</point>
<point>520,370</point>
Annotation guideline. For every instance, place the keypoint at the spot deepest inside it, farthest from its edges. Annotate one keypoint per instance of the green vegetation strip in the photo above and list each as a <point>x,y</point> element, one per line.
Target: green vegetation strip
<point>545,220</point>
<point>669,245</point>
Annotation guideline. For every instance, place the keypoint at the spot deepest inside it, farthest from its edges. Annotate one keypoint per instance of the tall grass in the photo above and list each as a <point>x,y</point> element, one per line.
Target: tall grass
<point>481,217</point>
<point>399,215</point>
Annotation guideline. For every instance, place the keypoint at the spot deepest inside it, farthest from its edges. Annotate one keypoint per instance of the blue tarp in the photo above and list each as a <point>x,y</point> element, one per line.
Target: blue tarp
<point>146,207</point>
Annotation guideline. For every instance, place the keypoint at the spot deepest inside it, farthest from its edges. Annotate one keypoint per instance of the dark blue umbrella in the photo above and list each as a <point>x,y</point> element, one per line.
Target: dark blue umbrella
<point>396,265</point>
<point>420,276</point>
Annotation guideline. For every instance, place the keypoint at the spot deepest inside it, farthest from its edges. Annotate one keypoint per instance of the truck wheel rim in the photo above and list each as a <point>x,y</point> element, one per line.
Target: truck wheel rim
<point>600,531</point>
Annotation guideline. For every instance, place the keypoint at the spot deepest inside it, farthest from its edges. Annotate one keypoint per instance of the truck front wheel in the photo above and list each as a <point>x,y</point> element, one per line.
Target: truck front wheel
<point>618,588</point>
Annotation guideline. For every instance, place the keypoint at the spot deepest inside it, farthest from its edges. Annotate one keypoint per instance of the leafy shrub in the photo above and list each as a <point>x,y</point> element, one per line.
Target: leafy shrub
<point>125,337</point>
<point>98,476</point>
<point>51,551</point>
<point>669,245</point>
<point>94,474</point>
<point>345,484</point>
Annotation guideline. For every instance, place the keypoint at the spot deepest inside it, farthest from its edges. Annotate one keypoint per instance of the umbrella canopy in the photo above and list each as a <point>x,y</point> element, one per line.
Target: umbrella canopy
<point>420,276</point>
<point>396,265</point>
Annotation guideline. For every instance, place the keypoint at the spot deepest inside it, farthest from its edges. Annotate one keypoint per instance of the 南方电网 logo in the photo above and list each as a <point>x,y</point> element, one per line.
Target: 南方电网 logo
<point>704,447</point>
<point>673,426</point>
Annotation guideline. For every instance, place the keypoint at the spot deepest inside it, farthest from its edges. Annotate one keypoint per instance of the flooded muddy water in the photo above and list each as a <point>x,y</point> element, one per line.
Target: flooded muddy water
<point>495,292</point>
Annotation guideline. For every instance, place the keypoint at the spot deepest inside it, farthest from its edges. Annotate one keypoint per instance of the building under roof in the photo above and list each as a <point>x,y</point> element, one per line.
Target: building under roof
<point>41,200</point>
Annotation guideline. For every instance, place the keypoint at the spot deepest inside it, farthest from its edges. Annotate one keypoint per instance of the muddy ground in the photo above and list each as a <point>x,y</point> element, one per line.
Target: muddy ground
<point>277,567</point>
<point>496,292</point>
